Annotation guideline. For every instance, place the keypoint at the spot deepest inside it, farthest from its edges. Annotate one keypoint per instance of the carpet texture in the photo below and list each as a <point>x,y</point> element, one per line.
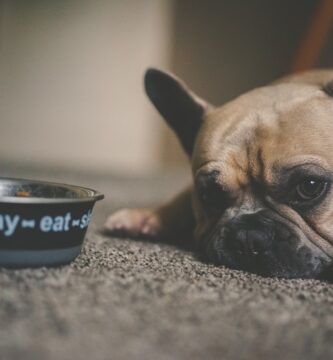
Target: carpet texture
<point>123,299</point>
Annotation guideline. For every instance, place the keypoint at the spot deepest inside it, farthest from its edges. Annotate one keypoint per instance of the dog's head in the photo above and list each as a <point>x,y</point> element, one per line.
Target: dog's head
<point>263,171</point>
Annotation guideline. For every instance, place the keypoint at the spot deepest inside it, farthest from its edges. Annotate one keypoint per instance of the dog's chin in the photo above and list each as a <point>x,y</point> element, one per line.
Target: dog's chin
<point>284,260</point>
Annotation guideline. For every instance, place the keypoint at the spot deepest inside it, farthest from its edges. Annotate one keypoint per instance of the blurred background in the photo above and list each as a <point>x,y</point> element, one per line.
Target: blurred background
<point>71,93</point>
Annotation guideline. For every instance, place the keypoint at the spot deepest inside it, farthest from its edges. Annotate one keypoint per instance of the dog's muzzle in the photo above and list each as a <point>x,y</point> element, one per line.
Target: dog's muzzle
<point>259,243</point>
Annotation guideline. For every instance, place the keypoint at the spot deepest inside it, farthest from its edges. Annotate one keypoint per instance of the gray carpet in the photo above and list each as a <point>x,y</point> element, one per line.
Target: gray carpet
<point>123,299</point>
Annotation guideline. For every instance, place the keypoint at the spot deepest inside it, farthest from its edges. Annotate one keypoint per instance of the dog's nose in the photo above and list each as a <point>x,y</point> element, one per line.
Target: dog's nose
<point>250,234</point>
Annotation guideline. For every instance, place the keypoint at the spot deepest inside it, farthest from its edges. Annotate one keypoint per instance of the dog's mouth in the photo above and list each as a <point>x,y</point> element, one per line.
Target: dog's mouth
<point>272,246</point>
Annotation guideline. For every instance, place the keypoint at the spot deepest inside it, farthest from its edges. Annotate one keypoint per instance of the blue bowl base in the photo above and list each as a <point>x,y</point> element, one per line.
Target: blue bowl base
<point>38,258</point>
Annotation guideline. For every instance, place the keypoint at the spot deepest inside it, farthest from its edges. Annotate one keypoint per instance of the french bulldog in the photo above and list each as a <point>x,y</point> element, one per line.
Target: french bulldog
<point>262,164</point>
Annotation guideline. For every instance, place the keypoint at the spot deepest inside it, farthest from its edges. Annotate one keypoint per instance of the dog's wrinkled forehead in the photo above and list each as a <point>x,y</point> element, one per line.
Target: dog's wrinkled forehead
<point>265,129</point>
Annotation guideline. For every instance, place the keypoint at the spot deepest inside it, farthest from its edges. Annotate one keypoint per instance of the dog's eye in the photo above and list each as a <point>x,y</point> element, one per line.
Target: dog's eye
<point>210,192</point>
<point>310,189</point>
<point>302,187</point>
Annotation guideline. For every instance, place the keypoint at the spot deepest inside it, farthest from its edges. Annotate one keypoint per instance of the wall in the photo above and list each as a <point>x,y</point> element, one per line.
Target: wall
<point>71,72</point>
<point>71,82</point>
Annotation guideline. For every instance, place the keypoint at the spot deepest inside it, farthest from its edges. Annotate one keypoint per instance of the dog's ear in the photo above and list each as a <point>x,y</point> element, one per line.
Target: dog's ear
<point>328,88</point>
<point>182,110</point>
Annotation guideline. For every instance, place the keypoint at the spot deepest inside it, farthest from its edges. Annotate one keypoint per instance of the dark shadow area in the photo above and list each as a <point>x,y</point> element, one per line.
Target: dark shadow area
<point>225,48</point>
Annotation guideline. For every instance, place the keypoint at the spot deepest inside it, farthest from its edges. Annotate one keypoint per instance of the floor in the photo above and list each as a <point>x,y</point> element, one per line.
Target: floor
<point>123,299</point>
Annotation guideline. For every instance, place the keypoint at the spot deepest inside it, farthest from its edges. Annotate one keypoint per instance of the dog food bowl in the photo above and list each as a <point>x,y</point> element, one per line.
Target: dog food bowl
<point>42,223</point>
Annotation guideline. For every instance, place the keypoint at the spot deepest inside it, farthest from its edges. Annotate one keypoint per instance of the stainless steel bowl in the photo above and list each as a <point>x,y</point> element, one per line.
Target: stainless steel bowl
<point>42,223</point>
